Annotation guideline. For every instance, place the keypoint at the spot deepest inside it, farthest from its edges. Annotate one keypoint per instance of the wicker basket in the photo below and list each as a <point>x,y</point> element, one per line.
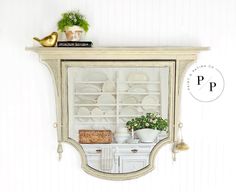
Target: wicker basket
<point>95,136</point>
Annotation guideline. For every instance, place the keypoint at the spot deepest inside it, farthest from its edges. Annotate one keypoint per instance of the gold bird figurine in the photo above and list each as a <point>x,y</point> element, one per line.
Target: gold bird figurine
<point>48,41</point>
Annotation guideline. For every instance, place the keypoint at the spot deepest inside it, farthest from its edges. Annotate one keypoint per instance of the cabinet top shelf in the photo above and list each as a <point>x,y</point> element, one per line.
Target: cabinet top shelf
<point>151,48</point>
<point>116,52</point>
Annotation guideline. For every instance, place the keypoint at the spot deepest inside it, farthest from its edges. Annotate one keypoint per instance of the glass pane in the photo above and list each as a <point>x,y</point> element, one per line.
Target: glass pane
<point>102,103</point>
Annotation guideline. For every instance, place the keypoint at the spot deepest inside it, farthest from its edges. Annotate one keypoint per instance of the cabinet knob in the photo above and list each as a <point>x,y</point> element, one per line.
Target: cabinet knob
<point>55,124</point>
<point>98,150</point>
<point>134,150</point>
<point>180,125</point>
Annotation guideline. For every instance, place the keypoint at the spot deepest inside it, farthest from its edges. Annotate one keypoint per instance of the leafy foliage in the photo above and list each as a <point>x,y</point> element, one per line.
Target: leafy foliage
<point>72,18</point>
<point>150,120</point>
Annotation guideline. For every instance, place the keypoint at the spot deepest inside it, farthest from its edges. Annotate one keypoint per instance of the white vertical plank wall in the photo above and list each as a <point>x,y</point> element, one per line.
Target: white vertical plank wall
<point>28,159</point>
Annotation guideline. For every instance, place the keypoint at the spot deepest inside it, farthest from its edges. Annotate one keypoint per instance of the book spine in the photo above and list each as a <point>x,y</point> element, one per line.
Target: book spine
<point>74,44</point>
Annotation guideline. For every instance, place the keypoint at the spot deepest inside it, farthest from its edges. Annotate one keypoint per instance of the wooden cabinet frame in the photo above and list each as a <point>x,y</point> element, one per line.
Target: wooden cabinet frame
<point>53,58</point>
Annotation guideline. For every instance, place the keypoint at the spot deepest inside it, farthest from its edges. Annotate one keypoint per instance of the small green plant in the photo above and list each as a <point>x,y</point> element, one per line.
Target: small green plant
<point>150,120</point>
<point>72,18</point>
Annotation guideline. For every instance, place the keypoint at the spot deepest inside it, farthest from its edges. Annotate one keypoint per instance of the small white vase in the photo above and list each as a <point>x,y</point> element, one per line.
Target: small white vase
<point>147,135</point>
<point>74,33</point>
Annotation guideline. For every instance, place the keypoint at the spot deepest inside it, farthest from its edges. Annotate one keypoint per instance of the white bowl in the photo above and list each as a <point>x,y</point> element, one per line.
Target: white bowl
<point>147,135</point>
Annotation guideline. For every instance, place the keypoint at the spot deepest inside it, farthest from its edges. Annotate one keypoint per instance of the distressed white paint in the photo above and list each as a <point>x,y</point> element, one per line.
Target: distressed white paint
<point>27,138</point>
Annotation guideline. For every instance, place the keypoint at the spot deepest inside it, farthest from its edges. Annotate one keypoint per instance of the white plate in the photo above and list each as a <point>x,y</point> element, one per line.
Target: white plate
<point>85,100</point>
<point>123,87</point>
<point>130,100</point>
<point>79,87</point>
<point>83,111</point>
<point>150,100</point>
<point>97,112</point>
<point>88,88</point>
<point>109,86</point>
<point>129,111</point>
<point>95,76</point>
<point>137,89</point>
<point>106,99</point>
<point>137,76</point>
<point>153,87</point>
<point>110,112</point>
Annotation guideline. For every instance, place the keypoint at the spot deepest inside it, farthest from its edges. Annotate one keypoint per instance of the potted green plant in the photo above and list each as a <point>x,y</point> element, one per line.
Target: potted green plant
<point>147,126</point>
<point>73,23</point>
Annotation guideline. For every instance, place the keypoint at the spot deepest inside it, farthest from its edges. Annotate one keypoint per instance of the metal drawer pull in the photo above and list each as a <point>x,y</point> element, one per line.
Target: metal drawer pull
<point>98,150</point>
<point>134,150</point>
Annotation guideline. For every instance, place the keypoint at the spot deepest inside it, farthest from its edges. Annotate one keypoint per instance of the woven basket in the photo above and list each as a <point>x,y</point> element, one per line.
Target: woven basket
<point>95,136</point>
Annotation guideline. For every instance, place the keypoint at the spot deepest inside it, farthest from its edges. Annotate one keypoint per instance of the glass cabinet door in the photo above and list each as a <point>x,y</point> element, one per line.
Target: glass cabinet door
<point>102,97</point>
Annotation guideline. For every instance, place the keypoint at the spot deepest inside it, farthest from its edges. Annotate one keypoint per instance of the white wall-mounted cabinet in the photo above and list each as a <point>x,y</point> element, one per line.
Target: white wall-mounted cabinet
<point>97,88</point>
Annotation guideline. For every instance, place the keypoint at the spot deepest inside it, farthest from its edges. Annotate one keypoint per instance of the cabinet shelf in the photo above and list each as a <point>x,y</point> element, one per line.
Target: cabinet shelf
<point>97,93</point>
<point>139,104</point>
<point>120,116</point>
<point>139,82</point>
<point>90,116</point>
<point>120,82</point>
<point>113,105</point>
<point>139,93</point>
<point>104,116</point>
<point>94,105</point>
<point>121,93</point>
<point>99,123</point>
<point>89,82</point>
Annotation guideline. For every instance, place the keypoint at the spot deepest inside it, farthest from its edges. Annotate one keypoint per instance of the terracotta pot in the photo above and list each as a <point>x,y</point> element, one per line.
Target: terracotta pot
<point>73,33</point>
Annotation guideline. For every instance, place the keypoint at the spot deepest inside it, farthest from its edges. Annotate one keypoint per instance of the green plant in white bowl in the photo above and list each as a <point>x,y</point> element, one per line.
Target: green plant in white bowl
<point>147,126</point>
<point>73,23</point>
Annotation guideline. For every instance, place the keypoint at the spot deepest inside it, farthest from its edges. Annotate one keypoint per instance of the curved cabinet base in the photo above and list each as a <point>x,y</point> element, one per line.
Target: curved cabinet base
<point>119,176</point>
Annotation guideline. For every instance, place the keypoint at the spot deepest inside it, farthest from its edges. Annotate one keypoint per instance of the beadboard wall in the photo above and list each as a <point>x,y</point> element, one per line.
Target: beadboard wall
<point>28,158</point>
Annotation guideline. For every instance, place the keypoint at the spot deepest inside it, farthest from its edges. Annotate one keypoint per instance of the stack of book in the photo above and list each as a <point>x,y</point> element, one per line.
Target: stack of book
<point>74,44</point>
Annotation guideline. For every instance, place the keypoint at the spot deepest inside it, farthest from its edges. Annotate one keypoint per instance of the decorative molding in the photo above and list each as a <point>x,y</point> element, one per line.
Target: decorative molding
<point>54,67</point>
<point>181,68</point>
<point>131,53</point>
<point>118,176</point>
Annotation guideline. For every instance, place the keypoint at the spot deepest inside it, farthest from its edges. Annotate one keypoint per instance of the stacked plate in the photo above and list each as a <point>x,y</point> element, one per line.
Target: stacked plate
<point>97,112</point>
<point>150,102</point>
<point>88,88</point>
<point>107,99</point>
<point>108,86</point>
<point>95,82</point>
<point>83,111</point>
<point>95,76</point>
<point>137,76</point>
